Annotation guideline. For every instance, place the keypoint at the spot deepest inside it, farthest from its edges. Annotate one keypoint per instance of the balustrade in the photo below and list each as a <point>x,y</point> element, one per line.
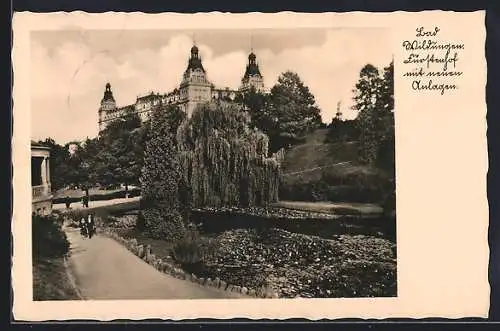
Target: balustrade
<point>38,191</point>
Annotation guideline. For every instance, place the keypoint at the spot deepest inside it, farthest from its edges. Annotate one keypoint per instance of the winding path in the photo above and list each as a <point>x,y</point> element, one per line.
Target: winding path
<point>104,269</point>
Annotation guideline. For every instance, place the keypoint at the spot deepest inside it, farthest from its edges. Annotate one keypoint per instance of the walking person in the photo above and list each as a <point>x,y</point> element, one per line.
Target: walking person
<point>90,225</point>
<point>83,228</point>
<point>68,203</point>
<point>88,197</point>
<point>85,201</point>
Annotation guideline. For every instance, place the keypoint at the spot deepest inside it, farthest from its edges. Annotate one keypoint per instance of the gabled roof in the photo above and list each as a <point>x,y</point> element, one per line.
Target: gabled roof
<point>36,145</point>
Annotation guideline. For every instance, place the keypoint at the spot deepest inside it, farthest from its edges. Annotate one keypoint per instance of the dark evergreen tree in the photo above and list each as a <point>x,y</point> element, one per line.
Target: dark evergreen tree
<point>367,103</point>
<point>160,207</point>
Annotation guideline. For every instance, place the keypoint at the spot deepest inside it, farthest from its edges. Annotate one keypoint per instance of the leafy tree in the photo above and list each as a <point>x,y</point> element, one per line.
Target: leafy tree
<point>291,111</point>
<point>387,98</point>
<point>293,108</point>
<point>342,130</point>
<point>87,152</point>
<point>374,102</point>
<point>77,170</point>
<point>119,159</point>
<point>160,181</point>
<point>174,116</point>
<point>255,103</point>
<point>286,114</point>
<point>386,152</point>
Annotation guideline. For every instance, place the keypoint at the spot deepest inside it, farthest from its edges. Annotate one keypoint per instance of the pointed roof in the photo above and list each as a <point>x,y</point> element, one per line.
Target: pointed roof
<point>252,67</point>
<point>195,60</point>
<point>108,94</point>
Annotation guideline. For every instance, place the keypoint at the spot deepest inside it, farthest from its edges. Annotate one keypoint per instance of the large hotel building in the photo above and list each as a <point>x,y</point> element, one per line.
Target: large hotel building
<point>195,88</point>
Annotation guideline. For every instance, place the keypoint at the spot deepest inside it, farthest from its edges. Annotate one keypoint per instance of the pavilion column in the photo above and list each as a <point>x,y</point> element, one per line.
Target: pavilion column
<point>43,171</point>
<point>47,177</point>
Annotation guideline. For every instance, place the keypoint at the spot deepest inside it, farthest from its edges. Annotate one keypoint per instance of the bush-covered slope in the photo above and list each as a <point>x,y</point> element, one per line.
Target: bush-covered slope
<point>317,170</point>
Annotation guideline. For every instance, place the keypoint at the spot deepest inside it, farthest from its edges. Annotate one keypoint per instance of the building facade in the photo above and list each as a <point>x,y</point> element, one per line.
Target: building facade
<point>194,89</point>
<point>40,180</point>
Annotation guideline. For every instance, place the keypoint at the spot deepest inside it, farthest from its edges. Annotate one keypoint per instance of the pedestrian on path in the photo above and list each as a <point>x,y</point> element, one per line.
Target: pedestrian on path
<point>83,227</point>
<point>90,225</point>
<point>68,203</point>
<point>85,201</point>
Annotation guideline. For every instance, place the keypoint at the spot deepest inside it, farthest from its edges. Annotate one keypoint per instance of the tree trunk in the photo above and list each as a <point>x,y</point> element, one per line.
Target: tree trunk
<point>126,190</point>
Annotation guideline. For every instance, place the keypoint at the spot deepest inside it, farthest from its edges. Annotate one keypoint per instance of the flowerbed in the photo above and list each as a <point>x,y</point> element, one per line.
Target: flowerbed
<point>288,264</point>
<point>306,266</point>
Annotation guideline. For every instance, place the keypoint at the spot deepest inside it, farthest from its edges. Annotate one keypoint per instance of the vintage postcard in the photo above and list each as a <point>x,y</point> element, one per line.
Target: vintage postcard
<point>253,165</point>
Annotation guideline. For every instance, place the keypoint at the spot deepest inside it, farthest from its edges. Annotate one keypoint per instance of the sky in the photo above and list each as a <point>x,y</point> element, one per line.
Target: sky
<point>70,68</point>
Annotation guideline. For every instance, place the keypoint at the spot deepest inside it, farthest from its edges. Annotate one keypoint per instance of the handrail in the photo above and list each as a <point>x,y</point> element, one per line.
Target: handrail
<point>40,190</point>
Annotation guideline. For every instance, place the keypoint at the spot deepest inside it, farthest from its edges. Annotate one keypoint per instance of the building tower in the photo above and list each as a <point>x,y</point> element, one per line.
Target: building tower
<point>108,104</point>
<point>252,77</point>
<point>338,115</point>
<point>195,88</point>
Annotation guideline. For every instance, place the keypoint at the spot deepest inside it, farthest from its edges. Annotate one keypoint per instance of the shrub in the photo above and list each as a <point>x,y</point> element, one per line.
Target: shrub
<point>162,223</point>
<point>103,215</point>
<point>76,215</point>
<point>357,185</point>
<point>140,225</point>
<point>101,197</point>
<point>48,238</point>
<point>188,250</point>
<point>389,201</point>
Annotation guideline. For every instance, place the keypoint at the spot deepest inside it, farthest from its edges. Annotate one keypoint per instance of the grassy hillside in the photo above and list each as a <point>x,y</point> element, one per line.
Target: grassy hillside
<point>314,152</point>
<point>317,170</point>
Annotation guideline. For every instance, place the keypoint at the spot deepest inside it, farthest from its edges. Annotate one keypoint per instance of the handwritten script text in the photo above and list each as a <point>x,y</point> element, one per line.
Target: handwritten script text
<point>431,64</point>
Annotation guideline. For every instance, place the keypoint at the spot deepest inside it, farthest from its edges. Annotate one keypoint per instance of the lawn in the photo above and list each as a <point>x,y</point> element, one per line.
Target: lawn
<point>51,281</point>
<point>72,193</point>
<point>104,209</point>
<point>315,152</point>
<point>365,209</point>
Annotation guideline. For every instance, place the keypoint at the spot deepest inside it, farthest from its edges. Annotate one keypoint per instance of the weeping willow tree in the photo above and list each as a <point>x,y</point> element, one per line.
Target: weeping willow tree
<point>223,161</point>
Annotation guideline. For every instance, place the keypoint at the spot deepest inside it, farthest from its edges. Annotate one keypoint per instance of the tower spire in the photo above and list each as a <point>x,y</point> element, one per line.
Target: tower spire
<point>251,42</point>
<point>338,115</point>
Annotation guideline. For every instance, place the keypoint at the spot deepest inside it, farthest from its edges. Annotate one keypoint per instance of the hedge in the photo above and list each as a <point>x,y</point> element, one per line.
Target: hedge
<point>216,220</point>
<point>359,184</point>
<point>101,197</point>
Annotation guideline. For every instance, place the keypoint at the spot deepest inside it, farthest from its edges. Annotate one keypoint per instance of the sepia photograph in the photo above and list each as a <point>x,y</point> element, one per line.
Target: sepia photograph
<point>180,161</point>
<point>213,164</point>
